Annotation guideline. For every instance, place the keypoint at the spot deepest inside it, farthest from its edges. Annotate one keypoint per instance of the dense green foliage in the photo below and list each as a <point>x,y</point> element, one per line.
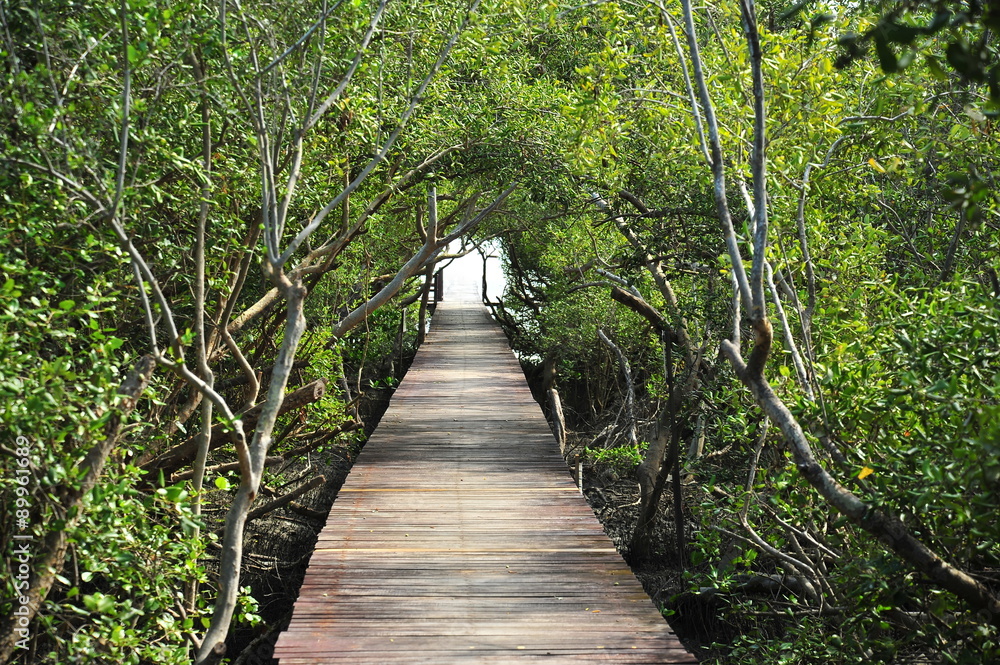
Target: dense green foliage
<point>882,168</point>
<point>901,221</point>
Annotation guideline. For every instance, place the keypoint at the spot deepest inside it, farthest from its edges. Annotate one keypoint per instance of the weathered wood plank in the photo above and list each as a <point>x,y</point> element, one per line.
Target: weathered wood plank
<point>460,535</point>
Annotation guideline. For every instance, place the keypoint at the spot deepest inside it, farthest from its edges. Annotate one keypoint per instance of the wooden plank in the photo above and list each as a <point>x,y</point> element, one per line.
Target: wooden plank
<point>460,535</point>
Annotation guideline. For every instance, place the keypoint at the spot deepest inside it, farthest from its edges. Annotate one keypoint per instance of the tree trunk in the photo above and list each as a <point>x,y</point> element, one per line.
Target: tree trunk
<point>640,545</point>
<point>213,646</point>
<point>424,297</point>
<point>558,420</point>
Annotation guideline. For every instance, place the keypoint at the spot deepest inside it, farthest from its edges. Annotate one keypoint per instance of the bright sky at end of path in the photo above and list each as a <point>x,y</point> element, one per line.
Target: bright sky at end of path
<point>463,278</point>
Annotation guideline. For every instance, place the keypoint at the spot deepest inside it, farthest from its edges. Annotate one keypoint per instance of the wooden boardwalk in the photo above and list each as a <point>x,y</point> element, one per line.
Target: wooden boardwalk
<point>460,536</point>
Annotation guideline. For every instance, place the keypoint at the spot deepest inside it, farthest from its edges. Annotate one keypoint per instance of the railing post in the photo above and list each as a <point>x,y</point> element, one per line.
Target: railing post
<point>439,285</point>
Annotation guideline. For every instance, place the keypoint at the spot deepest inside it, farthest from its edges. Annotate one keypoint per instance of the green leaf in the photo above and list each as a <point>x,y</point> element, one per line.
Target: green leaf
<point>175,494</point>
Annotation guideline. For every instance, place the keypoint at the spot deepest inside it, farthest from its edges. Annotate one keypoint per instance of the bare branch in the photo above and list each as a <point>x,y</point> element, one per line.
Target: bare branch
<point>655,270</point>
<point>126,107</point>
<point>183,453</point>
<point>339,90</point>
<point>758,164</point>
<point>715,160</point>
<point>629,385</point>
<point>638,305</point>
<point>303,39</point>
<point>618,280</point>
<point>415,100</point>
<point>687,83</point>
<point>201,341</point>
<point>800,369</point>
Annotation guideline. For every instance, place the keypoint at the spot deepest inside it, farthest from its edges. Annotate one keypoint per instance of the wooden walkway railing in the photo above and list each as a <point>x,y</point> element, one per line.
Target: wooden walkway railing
<point>460,536</point>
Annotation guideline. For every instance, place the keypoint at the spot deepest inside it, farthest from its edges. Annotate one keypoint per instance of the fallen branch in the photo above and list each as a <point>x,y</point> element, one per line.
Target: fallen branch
<point>222,468</point>
<point>643,309</point>
<point>305,511</point>
<point>184,453</point>
<point>242,379</point>
<point>313,445</point>
<point>286,499</point>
